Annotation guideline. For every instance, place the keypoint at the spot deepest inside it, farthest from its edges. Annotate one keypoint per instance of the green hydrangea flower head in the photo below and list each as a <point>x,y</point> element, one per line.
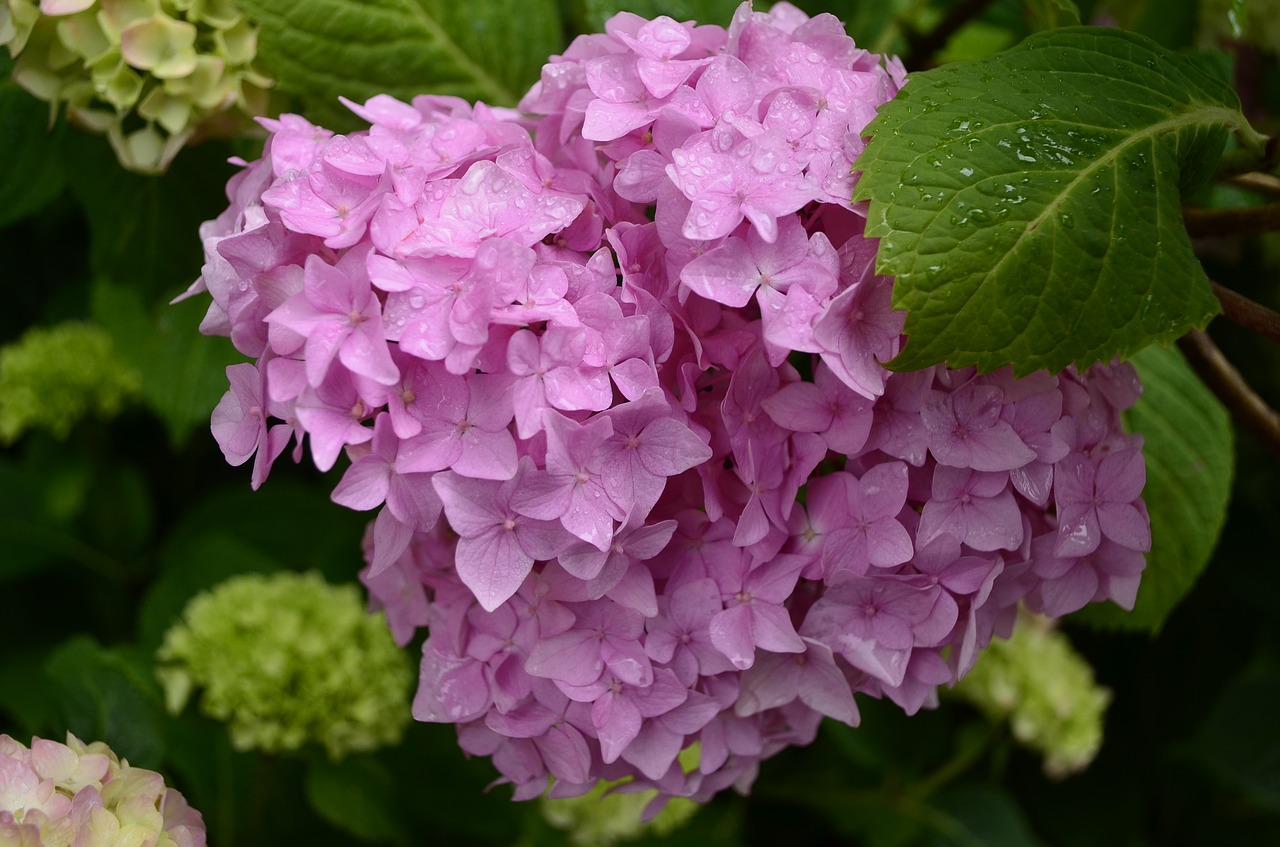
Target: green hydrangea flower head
<point>52,378</point>
<point>598,818</point>
<point>286,659</point>
<point>605,815</point>
<point>1045,690</point>
<point>57,795</point>
<point>151,74</point>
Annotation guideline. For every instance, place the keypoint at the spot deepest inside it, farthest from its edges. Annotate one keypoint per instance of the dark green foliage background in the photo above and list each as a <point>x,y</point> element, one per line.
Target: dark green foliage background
<point>105,536</point>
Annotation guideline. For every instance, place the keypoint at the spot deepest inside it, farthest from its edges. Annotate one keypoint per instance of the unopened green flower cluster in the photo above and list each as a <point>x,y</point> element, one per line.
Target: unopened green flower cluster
<point>599,818</point>
<point>1045,690</point>
<point>148,73</point>
<point>607,814</point>
<point>287,659</point>
<point>51,378</point>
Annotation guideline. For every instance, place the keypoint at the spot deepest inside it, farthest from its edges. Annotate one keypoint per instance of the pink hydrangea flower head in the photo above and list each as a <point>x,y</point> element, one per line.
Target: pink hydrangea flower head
<point>611,371</point>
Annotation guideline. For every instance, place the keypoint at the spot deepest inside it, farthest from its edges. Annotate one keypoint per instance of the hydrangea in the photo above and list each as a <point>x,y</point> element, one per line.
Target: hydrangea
<point>57,795</point>
<point>149,73</point>
<point>602,817</point>
<point>51,378</point>
<point>1046,692</point>
<point>286,660</point>
<point>609,370</point>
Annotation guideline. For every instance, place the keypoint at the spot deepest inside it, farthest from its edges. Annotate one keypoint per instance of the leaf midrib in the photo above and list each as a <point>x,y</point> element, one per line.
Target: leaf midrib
<point>1202,115</point>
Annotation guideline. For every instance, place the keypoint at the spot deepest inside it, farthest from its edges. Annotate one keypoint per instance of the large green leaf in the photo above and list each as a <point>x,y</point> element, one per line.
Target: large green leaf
<point>1029,203</point>
<point>30,175</point>
<point>357,795</point>
<point>182,371</point>
<point>718,12</point>
<point>144,229</point>
<point>110,695</point>
<point>320,49</point>
<point>979,815</point>
<point>1240,739</point>
<point>1190,464</point>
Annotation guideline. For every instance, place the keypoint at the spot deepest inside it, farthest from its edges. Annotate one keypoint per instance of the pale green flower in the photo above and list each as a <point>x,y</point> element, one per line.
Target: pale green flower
<point>599,818</point>
<point>150,74</point>
<point>286,660</point>
<point>1045,690</point>
<point>51,378</point>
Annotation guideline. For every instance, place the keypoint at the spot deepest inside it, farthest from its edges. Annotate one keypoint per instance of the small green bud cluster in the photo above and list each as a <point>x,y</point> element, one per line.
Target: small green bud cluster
<point>1045,690</point>
<point>287,659</point>
<point>51,378</point>
<point>598,818</point>
<point>148,73</point>
<point>606,815</point>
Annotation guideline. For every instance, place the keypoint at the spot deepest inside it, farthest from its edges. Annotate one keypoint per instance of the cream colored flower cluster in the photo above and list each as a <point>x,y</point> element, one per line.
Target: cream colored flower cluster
<point>55,795</point>
<point>148,73</point>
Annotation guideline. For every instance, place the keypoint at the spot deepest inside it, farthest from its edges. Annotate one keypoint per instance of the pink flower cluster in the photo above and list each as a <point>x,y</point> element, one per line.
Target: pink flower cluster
<point>612,375</point>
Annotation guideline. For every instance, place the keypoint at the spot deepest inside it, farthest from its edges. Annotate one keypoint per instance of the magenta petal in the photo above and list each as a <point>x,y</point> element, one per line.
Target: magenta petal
<point>364,485</point>
<point>492,565</point>
<point>617,722</point>
<point>572,657</point>
<point>886,664</point>
<point>627,661</point>
<point>1078,531</point>
<point>800,406</point>
<point>449,690</point>
<point>390,539</point>
<point>323,343</point>
<point>726,274</point>
<point>654,749</point>
<point>487,455</point>
<point>824,687</point>
<point>1069,593</point>
<point>888,543</point>
<point>413,500</point>
<point>635,591</point>
<point>1125,524</point>
<point>731,633</point>
<point>772,629</point>
<point>565,753</point>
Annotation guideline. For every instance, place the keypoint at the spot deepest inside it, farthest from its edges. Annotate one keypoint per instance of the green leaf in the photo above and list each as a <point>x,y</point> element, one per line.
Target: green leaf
<point>143,229</point>
<point>1190,464</point>
<point>320,49</point>
<point>1028,204</point>
<point>32,705</point>
<point>1240,740</point>
<point>1048,14</point>
<point>183,372</point>
<point>703,11</point>
<point>357,796</point>
<point>977,815</point>
<point>192,566</point>
<point>30,174</point>
<point>110,695</point>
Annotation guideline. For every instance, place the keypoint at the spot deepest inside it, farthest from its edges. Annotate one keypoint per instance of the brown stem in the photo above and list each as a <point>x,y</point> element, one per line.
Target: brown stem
<point>921,46</point>
<point>1216,223</point>
<point>1259,183</point>
<point>1253,316</point>
<point>1225,381</point>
